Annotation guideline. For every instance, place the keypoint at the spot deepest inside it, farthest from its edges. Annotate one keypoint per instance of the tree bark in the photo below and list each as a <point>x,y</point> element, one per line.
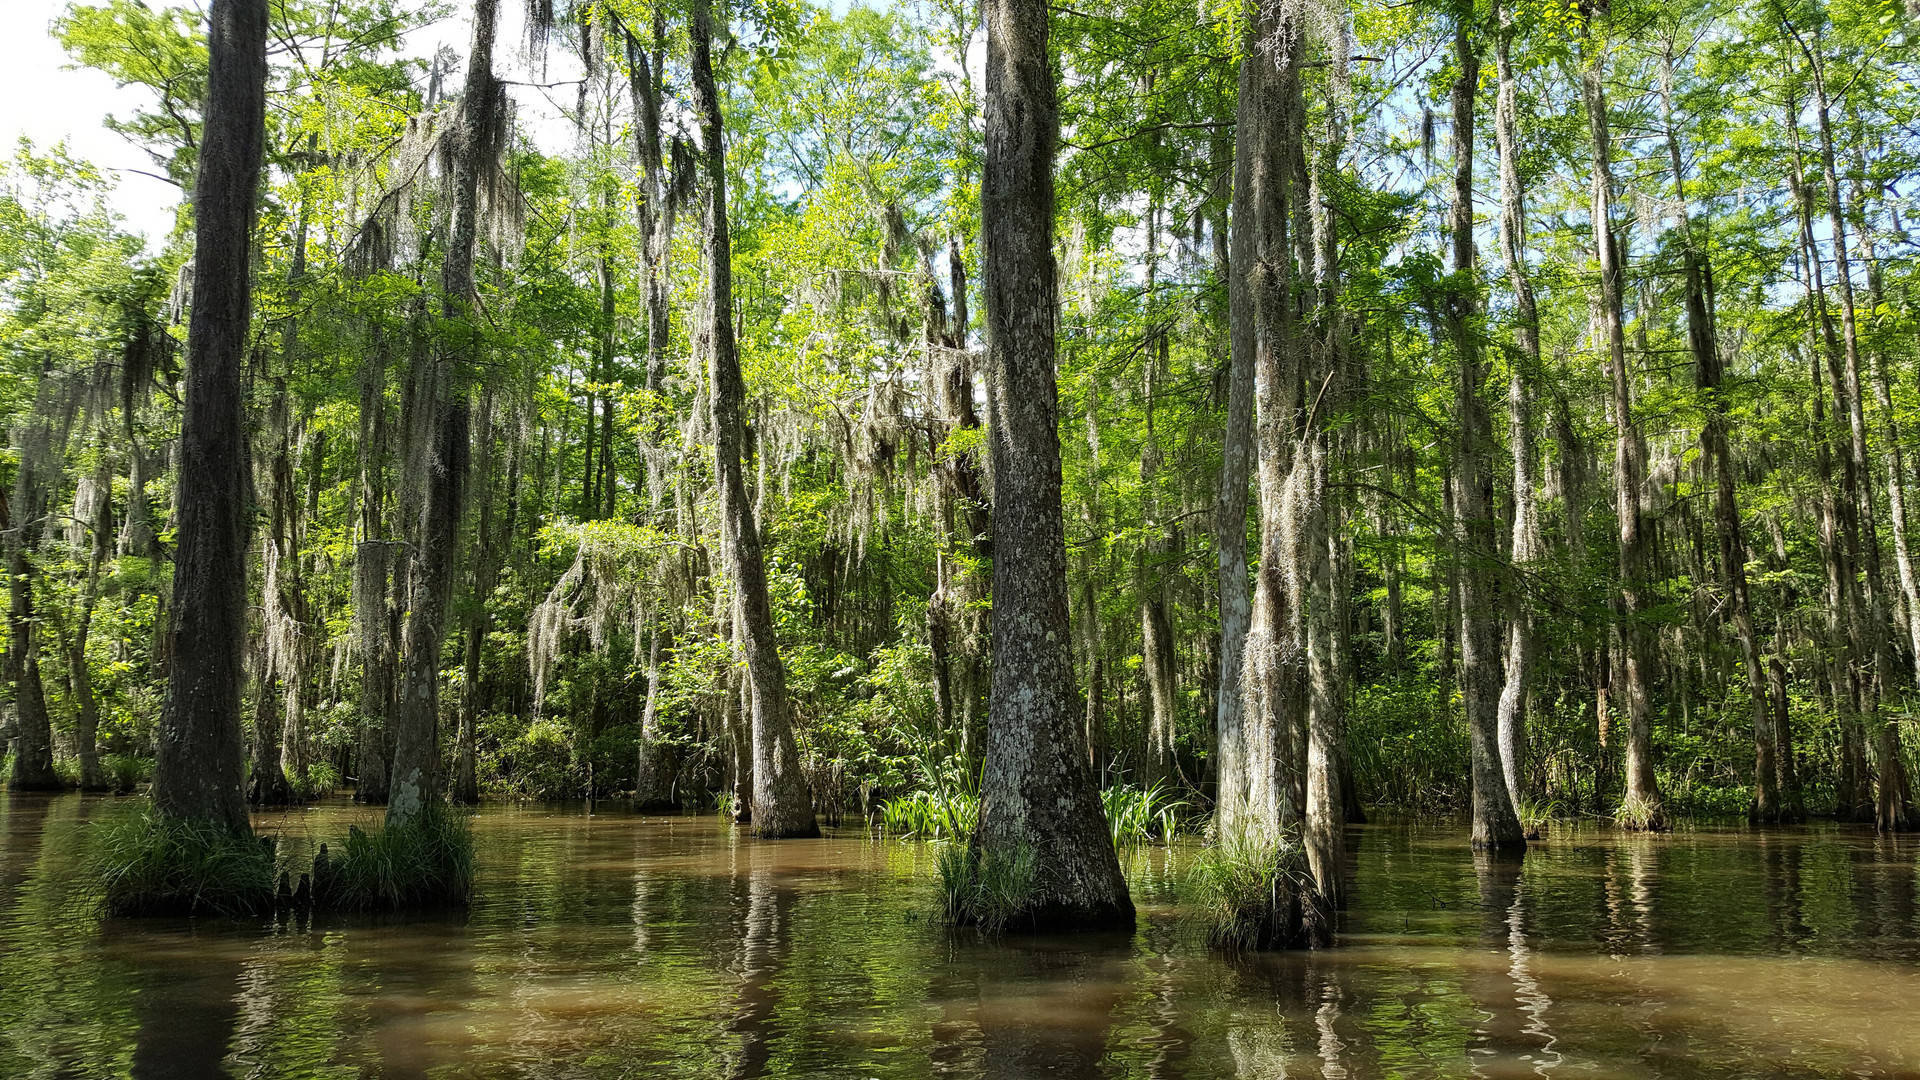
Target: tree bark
<point>371,569</point>
<point>1893,804</point>
<point>32,724</point>
<point>415,781</point>
<point>198,774</point>
<point>1038,794</point>
<point>1642,806</point>
<point>486,568</point>
<point>1703,340</point>
<point>782,799</point>
<point>1523,369</point>
<point>1839,528</point>
<point>1496,825</point>
<point>86,721</point>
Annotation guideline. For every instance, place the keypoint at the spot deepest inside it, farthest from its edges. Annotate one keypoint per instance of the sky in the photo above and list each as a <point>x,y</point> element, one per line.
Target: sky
<point>48,103</point>
<point>49,100</point>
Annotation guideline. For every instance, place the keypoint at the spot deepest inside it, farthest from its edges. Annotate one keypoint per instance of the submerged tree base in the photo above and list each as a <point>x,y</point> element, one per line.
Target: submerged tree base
<point>1639,815</point>
<point>427,862</point>
<point>1251,896</point>
<point>994,891</point>
<point>146,864</point>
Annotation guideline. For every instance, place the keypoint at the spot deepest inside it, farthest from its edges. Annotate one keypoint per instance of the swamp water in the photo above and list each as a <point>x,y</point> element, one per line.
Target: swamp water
<point>621,946</point>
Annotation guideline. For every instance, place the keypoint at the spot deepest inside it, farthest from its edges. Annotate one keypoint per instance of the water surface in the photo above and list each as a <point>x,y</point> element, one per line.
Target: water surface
<point>622,946</point>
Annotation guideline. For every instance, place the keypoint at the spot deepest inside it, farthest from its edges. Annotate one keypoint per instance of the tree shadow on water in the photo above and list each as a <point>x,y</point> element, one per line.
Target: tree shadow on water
<point>186,1013</point>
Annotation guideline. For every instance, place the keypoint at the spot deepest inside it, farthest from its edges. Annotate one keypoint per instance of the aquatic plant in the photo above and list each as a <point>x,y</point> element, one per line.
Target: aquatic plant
<point>1248,894</point>
<point>425,862</point>
<point>931,815</point>
<point>144,863</point>
<point>983,888</point>
<point>1141,815</point>
<point>1534,815</point>
<point>323,778</point>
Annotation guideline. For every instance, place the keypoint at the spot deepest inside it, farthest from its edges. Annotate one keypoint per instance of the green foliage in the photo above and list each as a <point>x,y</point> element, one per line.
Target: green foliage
<point>127,771</point>
<point>931,815</point>
<point>1142,816</point>
<point>144,863</point>
<point>983,888</point>
<point>426,862</point>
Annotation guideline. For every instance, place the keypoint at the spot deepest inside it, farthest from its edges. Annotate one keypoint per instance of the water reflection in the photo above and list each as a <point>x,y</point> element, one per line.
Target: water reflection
<point>619,946</point>
<point>186,1014</point>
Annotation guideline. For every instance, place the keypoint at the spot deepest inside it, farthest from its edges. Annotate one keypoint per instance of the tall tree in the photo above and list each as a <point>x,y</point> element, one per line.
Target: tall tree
<point>1523,369</point>
<point>415,781</point>
<point>1641,807</point>
<point>200,764</point>
<point>1037,790</point>
<point>1496,826</point>
<point>782,798</point>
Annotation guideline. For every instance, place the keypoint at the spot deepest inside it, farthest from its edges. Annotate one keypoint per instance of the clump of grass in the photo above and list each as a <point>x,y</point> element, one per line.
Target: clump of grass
<point>1639,815</point>
<point>1249,894</point>
<point>144,863</point>
<point>987,889</point>
<point>424,863</point>
<point>1141,815</point>
<point>126,771</point>
<point>323,778</point>
<point>1534,816</point>
<point>931,815</point>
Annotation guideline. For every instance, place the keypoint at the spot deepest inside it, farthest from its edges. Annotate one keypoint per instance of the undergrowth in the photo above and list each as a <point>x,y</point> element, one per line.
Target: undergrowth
<point>930,815</point>
<point>426,862</point>
<point>144,863</point>
<point>983,888</point>
<point>1248,895</point>
<point>1142,815</point>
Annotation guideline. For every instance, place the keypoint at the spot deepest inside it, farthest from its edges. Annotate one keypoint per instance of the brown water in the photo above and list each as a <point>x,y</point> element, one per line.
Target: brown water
<point>617,946</point>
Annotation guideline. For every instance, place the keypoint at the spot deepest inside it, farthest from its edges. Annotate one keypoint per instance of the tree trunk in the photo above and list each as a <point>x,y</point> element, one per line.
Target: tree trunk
<point>486,568</point>
<point>782,800</point>
<point>1525,367</point>
<point>1703,340</point>
<point>1641,807</point>
<point>653,785</point>
<point>371,570</point>
<point>1038,794</point>
<point>1893,805</point>
<point>199,771</point>
<point>1839,532</point>
<point>415,781</point>
<point>32,725</point>
<point>86,720</point>
<point>1496,826</point>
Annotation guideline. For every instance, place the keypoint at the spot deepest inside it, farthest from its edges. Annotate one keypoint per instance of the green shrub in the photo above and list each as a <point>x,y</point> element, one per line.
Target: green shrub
<point>126,771</point>
<point>426,862</point>
<point>1636,813</point>
<point>144,863</point>
<point>1534,815</point>
<point>323,778</point>
<point>1253,895</point>
<point>983,888</point>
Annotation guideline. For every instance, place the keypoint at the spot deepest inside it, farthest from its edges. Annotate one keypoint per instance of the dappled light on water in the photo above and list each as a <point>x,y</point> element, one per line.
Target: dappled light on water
<point>617,946</point>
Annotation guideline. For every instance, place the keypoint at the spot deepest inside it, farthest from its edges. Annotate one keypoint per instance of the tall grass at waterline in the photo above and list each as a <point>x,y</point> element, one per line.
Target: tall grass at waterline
<point>983,888</point>
<point>145,863</point>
